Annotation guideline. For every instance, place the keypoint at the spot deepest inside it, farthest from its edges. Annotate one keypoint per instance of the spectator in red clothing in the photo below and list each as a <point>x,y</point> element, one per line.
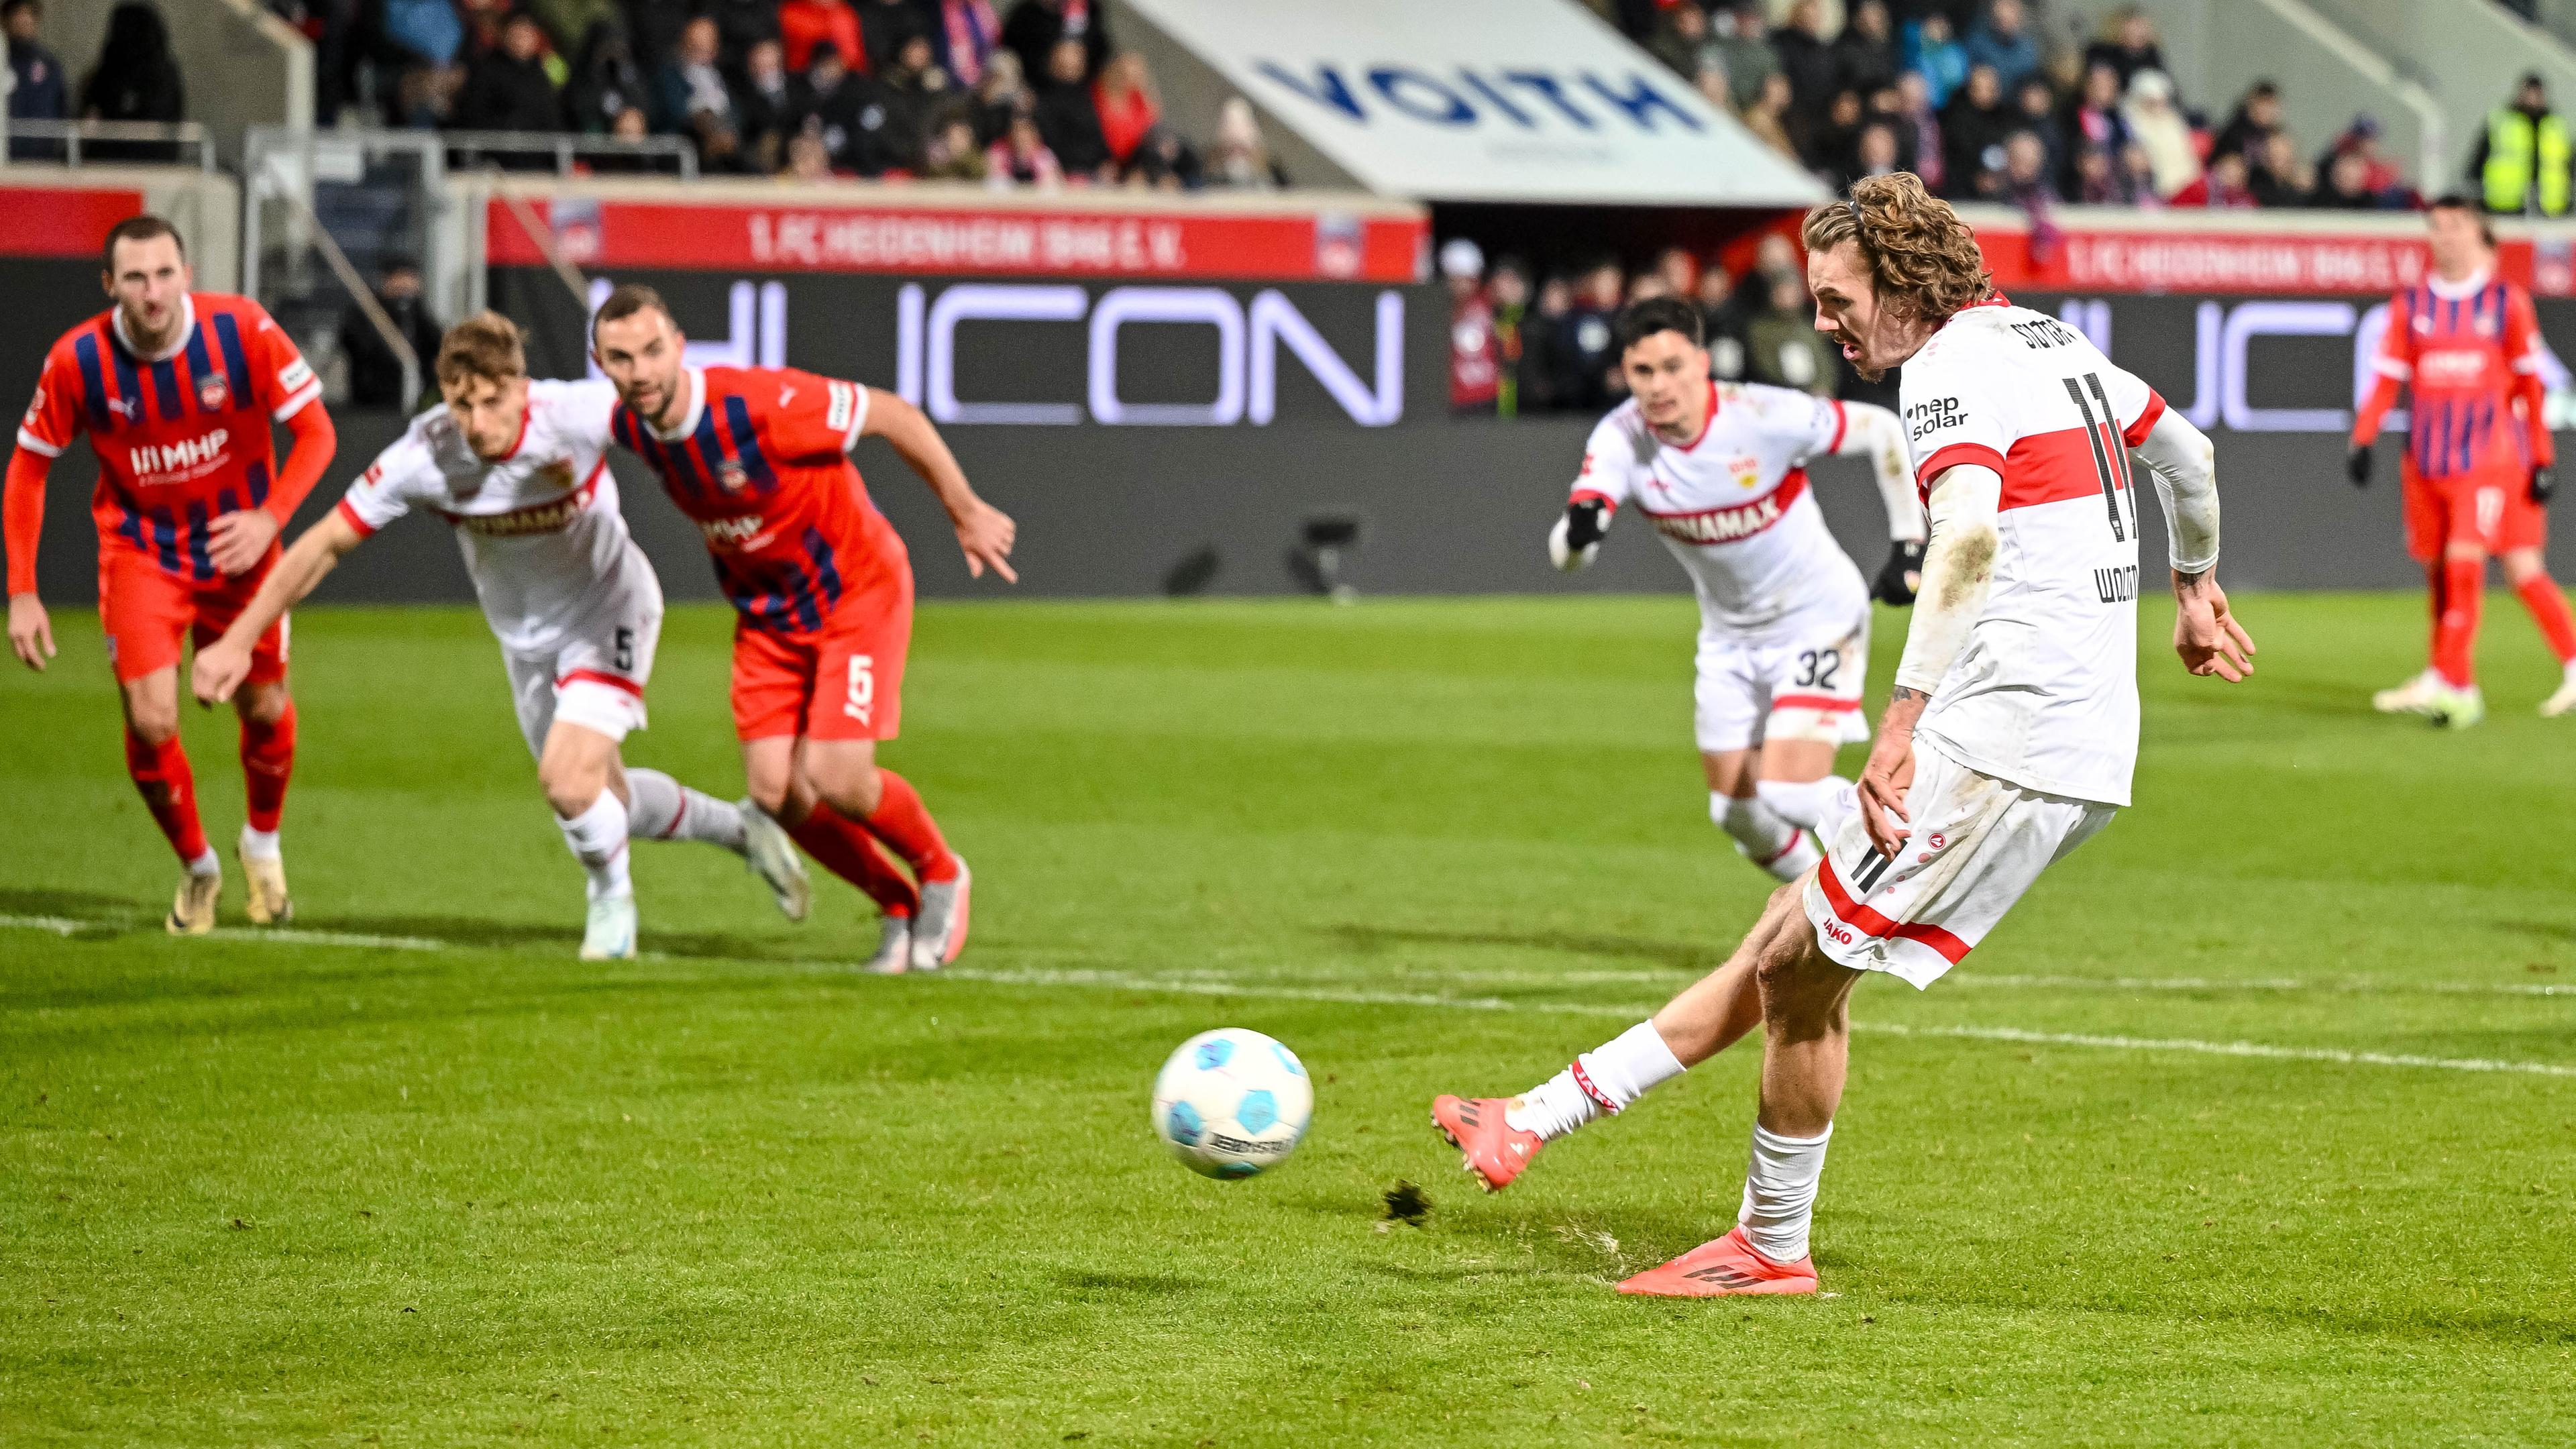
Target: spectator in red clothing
<point>1124,97</point>
<point>801,23</point>
<point>2223,185</point>
<point>1475,357</point>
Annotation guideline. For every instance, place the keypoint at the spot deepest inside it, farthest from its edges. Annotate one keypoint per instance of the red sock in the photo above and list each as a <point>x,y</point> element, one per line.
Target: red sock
<point>169,790</point>
<point>904,824</point>
<point>2549,610</point>
<point>2433,591</point>
<point>2455,643</point>
<point>850,852</point>
<point>267,758</point>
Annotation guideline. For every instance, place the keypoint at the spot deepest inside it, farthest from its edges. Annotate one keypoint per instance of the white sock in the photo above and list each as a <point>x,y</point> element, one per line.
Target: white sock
<point>662,808</point>
<point>598,840</point>
<point>1780,1192</point>
<point>1601,1081</point>
<point>206,864</point>
<point>260,844</point>
<point>2567,671</point>
<point>1762,837</point>
<point>1809,804</point>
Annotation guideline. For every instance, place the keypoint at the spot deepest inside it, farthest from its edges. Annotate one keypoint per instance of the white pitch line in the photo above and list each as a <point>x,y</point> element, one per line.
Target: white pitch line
<point>2264,1050</point>
<point>1122,981</point>
<point>66,926</point>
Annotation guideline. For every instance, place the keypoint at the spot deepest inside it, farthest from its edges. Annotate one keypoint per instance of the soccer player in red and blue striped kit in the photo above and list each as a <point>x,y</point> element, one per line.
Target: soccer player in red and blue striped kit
<point>821,587</point>
<point>177,389</point>
<point>2476,479</point>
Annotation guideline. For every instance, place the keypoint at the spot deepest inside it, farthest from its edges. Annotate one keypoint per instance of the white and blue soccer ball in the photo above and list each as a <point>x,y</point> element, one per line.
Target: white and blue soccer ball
<point>1232,1102</point>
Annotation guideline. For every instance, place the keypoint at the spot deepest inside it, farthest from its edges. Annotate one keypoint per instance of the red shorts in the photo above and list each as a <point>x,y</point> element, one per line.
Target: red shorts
<point>2492,506</point>
<point>145,611</point>
<point>844,681</point>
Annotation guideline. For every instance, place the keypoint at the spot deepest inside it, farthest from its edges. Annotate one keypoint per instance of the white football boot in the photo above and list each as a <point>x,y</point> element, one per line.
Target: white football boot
<point>192,911</point>
<point>2457,709</point>
<point>609,934</point>
<point>894,947</point>
<point>2564,700</point>
<point>773,857</point>
<point>265,876</point>
<point>2415,696</point>
<point>939,931</point>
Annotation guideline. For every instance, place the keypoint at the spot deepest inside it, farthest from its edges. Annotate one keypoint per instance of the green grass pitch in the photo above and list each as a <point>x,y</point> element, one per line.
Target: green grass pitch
<point>2255,1124</point>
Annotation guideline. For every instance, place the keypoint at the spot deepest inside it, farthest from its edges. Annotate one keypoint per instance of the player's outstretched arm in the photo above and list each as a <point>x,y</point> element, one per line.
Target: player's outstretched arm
<point>222,665</point>
<point>2185,467</point>
<point>984,533</point>
<point>1878,434</point>
<point>22,506</point>
<point>1958,573</point>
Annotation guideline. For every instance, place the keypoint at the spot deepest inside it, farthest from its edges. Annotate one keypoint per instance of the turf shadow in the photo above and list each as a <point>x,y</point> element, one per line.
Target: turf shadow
<point>1095,1286</point>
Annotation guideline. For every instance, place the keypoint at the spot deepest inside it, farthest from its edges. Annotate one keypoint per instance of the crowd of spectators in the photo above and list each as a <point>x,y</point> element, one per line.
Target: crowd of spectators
<point>1002,92</point>
<point>1971,97</point>
<point>1525,342</point>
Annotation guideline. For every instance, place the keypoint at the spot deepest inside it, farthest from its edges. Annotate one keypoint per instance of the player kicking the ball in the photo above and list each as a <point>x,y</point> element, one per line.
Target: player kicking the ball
<point>518,469</point>
<point>177,390</point>
<point>1720,470</point>
<point>2011,735</point>
<point>822,591</point>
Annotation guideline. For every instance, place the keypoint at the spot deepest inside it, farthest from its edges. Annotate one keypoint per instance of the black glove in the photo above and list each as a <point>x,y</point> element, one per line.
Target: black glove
<point>2544,482</point>
<point>2357,467</point>
<point>1584,523</point>
<point>1905,558</point>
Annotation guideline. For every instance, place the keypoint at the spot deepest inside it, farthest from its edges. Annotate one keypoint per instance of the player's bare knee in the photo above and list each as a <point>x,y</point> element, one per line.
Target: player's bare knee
<point>852,790</point>
<point>570,787</point>
<point>264,704</point>
<point>153,720</point>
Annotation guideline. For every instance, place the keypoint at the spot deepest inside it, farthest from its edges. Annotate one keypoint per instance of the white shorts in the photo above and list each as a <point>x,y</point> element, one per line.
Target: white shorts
<point>596,677</point>
<point>1805,690</point>
<point>1975,844</point>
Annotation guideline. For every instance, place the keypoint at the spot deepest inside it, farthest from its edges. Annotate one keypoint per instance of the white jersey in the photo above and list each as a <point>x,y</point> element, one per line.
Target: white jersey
<point>2044,694</point>
<point>539,528</point>
<point>1733,506</point>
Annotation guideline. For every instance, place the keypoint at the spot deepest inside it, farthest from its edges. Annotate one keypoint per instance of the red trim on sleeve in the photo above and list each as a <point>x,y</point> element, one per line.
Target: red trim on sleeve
<point>1975,455</point>
<point>1842,427</point>
<point>1851,912</point>
<point>350,517</point>
<point>599,676</point>
<point>1592,495</point>
<point>1813,701</point>
<point>2136,433</point>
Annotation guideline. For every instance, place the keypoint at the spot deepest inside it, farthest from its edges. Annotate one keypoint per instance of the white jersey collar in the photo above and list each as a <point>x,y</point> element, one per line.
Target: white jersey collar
<point>695,379</point>
<point>2468,286</point>
<point>187,329</point>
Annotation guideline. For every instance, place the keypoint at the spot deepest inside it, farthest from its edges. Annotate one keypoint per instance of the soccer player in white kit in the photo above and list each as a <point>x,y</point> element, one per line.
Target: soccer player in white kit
<point>2009,740</point>
<point>518,468</point>
<point>1720,470</point>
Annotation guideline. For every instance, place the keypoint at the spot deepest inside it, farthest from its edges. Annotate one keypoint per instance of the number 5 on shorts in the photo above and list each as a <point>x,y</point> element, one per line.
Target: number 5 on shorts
<point>863,688</point>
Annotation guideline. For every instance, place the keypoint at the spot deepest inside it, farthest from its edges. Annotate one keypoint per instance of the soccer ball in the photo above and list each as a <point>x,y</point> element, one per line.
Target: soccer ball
<point>1232,1102</point>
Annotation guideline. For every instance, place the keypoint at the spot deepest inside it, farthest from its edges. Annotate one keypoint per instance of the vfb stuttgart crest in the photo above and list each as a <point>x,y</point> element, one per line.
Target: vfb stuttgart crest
<point>212,392</point>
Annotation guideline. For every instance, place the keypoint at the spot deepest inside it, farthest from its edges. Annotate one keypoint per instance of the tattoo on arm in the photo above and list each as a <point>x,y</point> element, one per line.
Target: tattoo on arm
<point>1903,694</point>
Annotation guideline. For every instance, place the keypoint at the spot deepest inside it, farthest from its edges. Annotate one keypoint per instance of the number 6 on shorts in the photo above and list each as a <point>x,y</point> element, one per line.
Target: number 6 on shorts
<point>863,688</point>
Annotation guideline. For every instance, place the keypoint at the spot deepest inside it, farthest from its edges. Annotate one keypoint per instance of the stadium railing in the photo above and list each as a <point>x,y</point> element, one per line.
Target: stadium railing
<point>27,142</point>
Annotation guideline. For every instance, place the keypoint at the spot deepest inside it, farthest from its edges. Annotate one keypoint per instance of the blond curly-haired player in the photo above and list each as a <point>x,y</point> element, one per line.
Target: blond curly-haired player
<point>2010,737</point>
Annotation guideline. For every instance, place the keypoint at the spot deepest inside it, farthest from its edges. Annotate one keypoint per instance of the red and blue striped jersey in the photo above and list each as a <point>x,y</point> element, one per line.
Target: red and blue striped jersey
<point>2466,351</point>
<point>760,461</point>
<point>181,440</point>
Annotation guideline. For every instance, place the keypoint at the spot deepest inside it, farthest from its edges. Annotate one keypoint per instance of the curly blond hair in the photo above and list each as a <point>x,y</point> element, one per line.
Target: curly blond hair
<point>1920,255</point>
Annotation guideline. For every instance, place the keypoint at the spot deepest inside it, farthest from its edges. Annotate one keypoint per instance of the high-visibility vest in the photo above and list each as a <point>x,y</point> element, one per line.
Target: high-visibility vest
<point>2520,153</point>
